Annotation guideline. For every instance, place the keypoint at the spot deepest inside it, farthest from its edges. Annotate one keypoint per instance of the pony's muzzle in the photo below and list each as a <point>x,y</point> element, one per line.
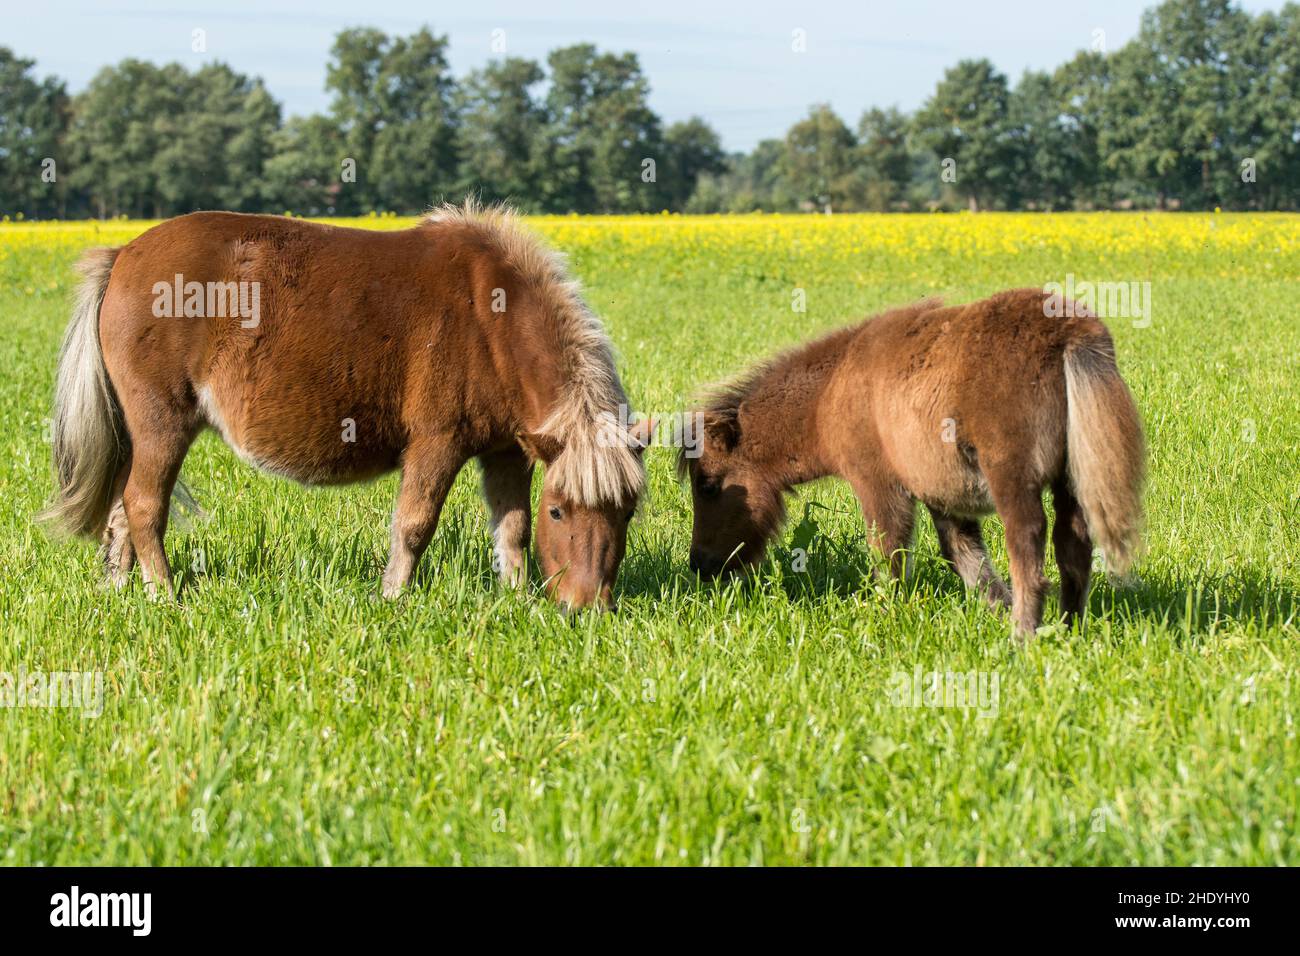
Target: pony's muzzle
<point>571,611</point>
<point>576,598</point>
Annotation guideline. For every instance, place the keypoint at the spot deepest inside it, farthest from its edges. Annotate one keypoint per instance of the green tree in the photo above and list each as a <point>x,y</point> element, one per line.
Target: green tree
<point>1169,118</point>
<point>691,150</point>
<point>33,121</point>
<point>1138,142</point>
<point>1082,86</point>
<point>603,142</point>
<point>1050,165</point>
<point>751,182</point>
<point>1197,37</point>
<point>501,132</point>
<point>1262,165</point>
<point>352,75</point>
<point>965,123</point>
<point>249,148</point>
<point>149,140</point>
<point>393,105</point>
<point>214,150</point>
<point>303,174</point>
<point>884,161</point>
<point>414,162</point>
<point>817,163</point>
<point>1198,109</point>
<point>122,126</point>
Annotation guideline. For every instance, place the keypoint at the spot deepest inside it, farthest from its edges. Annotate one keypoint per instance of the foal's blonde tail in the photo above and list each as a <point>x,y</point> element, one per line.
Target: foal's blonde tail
<point>90,441</point>
<point>1106,453</point>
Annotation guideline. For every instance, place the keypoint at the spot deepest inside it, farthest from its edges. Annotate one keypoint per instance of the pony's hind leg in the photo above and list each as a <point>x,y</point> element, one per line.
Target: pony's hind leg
<point>507,481</point>
<point>146,499</point>
<point>118,552</point>
<point>962,547</point>
<point>1019,502</point>
<point>428,470</point>
<point>1073,548</point>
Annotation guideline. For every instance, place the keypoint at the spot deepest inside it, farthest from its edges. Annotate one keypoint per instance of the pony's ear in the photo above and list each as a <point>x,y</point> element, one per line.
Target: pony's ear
<point>640,435</point>
<point>540,446</point>
<point>722,428</point>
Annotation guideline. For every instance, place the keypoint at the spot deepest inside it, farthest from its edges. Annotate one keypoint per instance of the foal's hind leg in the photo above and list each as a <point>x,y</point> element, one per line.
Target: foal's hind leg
<point>428,470</point>
<point>1073,552</point>
<point>1020,504</point>
<point>118,552</point>
<point>507,482</point>
<point>962,547</point>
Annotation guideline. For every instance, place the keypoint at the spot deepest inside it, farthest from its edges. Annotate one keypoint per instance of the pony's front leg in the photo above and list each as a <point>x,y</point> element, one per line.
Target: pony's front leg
<point>507,482</point>
<point>428,470</point>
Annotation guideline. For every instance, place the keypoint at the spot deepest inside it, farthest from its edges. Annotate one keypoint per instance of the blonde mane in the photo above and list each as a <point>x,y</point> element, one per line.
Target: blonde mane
<point>591,469</point>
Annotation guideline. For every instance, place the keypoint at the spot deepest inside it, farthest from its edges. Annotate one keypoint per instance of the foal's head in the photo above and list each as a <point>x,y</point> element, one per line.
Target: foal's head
<point>582,523</point>
<point>739,503</point>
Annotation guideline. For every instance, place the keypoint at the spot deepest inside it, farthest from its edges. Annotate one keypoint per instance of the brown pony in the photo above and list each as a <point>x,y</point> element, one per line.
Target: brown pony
<point>332,355</point>
<point>967,409</point>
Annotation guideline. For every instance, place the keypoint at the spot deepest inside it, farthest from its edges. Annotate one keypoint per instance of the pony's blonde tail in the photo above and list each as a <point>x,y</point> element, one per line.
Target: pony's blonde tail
<point>90,442</point>
<point>1106,451</point>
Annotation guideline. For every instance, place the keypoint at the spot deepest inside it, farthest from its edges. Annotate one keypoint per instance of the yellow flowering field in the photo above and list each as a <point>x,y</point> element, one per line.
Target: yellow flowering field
<point>1236,245</point>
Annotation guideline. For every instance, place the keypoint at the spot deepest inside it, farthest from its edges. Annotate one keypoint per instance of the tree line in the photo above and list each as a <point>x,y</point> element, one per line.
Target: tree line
<point>1200,109</point>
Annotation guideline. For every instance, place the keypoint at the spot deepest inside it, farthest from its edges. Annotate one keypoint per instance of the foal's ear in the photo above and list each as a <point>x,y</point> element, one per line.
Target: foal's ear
<point>540,446</point>
<point>640,435</point>
<point>722,428</point>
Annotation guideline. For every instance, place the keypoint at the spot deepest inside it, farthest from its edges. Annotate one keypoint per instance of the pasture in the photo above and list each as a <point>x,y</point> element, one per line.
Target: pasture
<point>280,715</point>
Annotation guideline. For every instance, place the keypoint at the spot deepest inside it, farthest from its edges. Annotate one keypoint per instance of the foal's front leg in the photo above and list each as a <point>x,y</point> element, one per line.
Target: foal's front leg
<point>507,483</point>
<point>890,514</point>
<point>428,470</point>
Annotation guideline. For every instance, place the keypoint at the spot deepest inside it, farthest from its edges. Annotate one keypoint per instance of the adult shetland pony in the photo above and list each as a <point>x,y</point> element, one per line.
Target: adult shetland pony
<point>463,337</point>
<point>967,409</point>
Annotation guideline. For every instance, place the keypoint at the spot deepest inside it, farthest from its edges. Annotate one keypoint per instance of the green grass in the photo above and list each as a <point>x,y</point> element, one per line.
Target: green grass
<point>279,714</point>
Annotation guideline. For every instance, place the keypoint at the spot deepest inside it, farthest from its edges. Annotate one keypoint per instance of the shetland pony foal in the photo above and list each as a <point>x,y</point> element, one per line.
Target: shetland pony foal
<point>968,410</point>
<point>462,337</point>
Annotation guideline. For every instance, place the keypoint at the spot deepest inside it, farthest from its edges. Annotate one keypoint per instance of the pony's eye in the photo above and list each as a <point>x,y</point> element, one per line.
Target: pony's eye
<point>556,513</point>
<point>709,489</point>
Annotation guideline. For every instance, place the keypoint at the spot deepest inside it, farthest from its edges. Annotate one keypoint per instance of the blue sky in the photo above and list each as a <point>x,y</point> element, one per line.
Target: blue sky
<point>732,63</point>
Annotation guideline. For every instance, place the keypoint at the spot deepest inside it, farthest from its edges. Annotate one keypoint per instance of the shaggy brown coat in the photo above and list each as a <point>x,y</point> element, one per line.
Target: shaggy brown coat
<point>967,409</point>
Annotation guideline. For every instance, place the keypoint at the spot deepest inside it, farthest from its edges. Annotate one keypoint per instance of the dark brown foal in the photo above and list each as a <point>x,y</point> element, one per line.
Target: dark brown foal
<point>968,410</point>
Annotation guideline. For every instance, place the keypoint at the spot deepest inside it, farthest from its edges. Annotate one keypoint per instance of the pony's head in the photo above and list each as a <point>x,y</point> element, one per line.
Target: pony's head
<point>589,497</point>
<point>739,504</point>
